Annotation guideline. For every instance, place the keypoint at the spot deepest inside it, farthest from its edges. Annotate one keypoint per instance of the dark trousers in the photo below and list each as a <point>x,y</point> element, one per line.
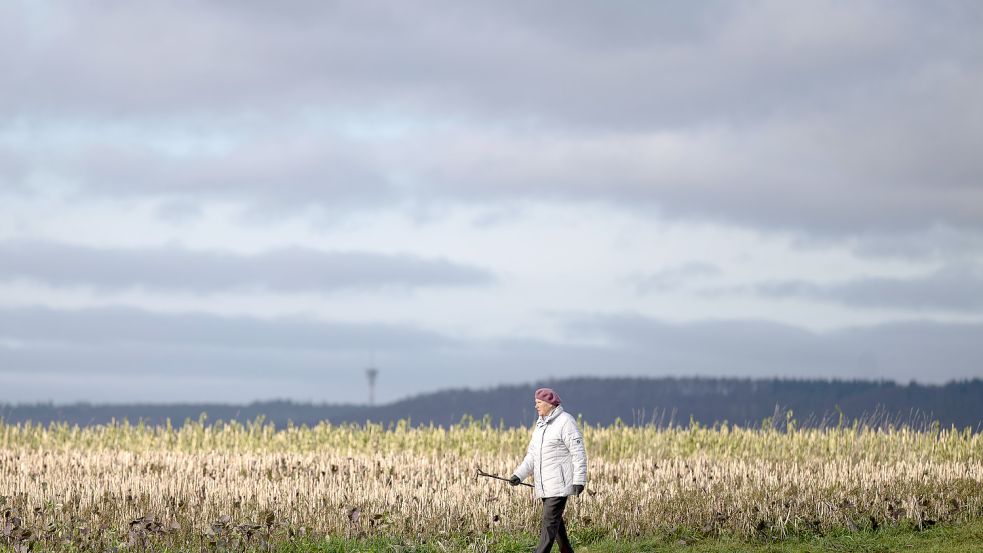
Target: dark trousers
<point>553,528</point>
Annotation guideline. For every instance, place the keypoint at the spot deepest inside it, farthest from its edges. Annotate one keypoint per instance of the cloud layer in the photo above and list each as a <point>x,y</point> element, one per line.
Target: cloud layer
<point>817,118</point>
<point>176,269</point>
<point>230,193</point>
<point>903,350</point>
<point>295,357</point>
<point>950,288</point>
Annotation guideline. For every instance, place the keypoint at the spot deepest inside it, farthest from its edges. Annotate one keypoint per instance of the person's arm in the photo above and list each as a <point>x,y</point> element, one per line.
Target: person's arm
<point>578,454</point>
<point>525,468</point>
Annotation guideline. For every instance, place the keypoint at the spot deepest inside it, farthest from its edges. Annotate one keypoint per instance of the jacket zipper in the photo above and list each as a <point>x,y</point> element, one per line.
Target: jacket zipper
<point>542,438</point>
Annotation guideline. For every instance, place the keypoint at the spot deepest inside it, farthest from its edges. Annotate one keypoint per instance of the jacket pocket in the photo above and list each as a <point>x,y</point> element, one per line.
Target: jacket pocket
<point>566,473</point>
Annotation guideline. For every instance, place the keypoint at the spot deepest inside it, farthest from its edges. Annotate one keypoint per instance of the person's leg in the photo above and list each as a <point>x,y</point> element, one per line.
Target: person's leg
<point>561,538</point>
<point>552,520</point>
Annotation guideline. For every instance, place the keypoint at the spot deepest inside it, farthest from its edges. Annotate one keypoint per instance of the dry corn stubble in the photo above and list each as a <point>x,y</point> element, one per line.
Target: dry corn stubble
<point>253,484</point>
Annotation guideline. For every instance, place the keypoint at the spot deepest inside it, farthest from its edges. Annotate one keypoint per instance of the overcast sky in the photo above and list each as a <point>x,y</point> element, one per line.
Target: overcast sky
<point>230,201</point>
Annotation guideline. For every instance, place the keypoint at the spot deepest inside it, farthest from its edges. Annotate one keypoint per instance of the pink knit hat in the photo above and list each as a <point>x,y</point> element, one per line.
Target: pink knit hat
<point>548,395</point>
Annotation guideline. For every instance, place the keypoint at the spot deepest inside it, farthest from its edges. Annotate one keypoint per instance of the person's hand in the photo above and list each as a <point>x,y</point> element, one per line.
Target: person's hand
<point>578,489</point>
<point>514,480</point>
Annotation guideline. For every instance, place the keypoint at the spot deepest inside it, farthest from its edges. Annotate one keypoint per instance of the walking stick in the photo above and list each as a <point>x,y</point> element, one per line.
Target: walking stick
<point>479,472</point>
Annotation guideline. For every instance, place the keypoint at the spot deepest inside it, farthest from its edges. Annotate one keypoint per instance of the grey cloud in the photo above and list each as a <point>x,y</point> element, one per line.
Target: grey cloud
<point>177,212</point>
<point>790,174</point>
<point>282,270</point>
<point>802,175</point>
<point>161,372</point>
<point>638,63</point>
<point>245,54</point>
<point>937,244</point>
<point>178,361</point>
<point>269,171</point>
<point>953,288</point>
<point>112,327</point>
<point>277,171</point>
<point>823,117</point>
<point>180,371</point>
<point>14,168</point>
<point>116,355</point>
<point>918,350</point>
<point>673,278</point>
<point>775,175</point>
<point>207,385</point>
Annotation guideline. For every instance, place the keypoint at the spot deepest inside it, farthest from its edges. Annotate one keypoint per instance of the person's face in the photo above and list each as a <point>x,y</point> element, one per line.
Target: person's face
<point>543,408</point>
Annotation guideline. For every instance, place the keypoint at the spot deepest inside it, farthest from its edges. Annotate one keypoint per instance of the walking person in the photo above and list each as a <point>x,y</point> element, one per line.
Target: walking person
<point>557,461</point>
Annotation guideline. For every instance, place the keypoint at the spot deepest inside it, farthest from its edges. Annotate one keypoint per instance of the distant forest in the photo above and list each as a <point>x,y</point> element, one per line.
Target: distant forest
<point>635,401</point>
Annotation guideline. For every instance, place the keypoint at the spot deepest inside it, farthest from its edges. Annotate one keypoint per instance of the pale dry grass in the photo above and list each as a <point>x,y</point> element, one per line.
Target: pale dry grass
<point>419,483</point>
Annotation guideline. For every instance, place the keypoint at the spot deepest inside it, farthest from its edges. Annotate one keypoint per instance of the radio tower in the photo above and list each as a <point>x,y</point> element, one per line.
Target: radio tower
<point>372,373</point>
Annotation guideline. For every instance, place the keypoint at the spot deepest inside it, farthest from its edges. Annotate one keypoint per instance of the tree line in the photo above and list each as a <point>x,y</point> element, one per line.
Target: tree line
<point>632,401</point>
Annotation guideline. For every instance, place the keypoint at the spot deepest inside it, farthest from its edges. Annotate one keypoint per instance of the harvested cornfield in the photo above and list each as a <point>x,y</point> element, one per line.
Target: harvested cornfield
<point>228,484</point>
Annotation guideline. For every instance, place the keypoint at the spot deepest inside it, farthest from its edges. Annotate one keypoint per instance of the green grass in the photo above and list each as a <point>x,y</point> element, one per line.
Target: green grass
<point>943,539</point>
<point>947,539</point>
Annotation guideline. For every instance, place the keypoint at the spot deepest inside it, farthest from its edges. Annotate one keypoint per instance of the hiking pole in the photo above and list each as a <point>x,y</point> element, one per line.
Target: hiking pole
<point>480,472</point>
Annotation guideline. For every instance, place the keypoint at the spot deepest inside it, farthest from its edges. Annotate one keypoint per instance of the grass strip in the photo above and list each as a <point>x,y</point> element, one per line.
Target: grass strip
<point>941,539</point>
<point>960,538</point>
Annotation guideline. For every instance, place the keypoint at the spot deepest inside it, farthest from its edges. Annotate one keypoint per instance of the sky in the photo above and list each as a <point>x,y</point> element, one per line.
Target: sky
<point>238,201</point>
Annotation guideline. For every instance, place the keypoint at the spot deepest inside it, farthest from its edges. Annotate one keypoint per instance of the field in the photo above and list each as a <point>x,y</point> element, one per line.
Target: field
<point>231,486</point>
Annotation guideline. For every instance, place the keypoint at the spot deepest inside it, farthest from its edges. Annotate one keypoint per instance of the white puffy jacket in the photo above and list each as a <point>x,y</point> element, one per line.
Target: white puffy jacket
<point>555,458</point>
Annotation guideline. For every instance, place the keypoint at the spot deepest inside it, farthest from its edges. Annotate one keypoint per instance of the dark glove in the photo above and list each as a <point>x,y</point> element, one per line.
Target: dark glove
<point>514,480</point>
<point>578,489</point>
